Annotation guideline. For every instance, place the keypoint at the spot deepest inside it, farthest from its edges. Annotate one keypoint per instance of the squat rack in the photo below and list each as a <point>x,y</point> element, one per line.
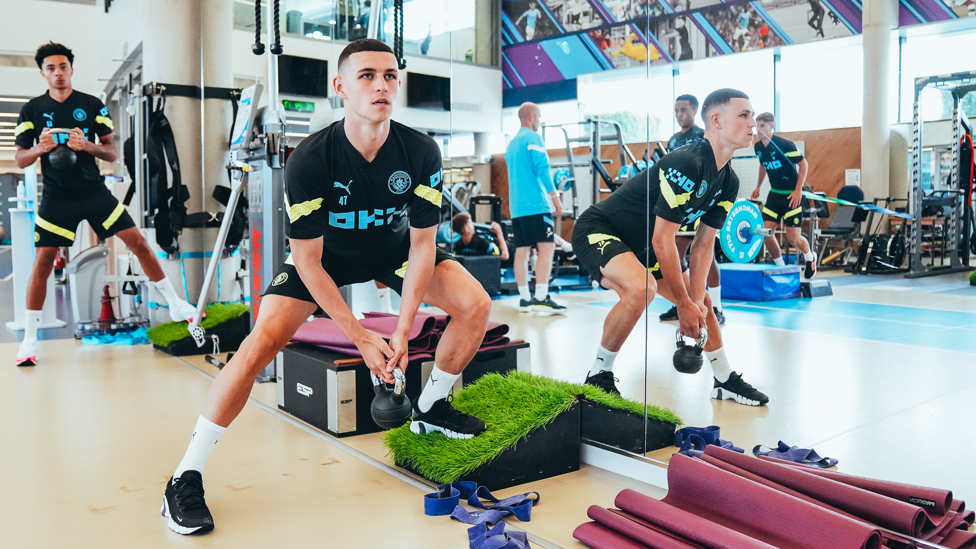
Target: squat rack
<point>959,219</point>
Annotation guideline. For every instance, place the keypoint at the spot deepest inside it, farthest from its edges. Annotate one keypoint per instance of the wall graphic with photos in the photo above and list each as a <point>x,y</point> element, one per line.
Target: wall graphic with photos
<point>547,43</point>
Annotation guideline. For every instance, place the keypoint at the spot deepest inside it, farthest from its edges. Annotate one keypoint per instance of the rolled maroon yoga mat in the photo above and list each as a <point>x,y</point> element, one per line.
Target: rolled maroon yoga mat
<point>658,538</point>
<point>761,512</point>
<point>601,537</point>
<point>685,524</point>
<point>869,506</point>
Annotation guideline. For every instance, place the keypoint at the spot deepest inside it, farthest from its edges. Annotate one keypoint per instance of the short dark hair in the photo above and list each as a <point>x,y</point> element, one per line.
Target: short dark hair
<point>766,117</point>
<point>719,98</point>
<point>52,48</point>
<point>459,221</point>
<point>689,98</point>
<point>361,45</point>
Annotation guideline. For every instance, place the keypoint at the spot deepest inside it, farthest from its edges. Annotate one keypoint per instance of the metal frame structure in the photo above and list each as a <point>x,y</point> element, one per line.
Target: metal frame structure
<point>958,85</point>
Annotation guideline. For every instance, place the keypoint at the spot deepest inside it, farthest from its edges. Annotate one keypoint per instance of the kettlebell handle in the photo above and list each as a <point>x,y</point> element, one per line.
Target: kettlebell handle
<point>702,338</point>
<point>60,130</point>
<point>400,384</point>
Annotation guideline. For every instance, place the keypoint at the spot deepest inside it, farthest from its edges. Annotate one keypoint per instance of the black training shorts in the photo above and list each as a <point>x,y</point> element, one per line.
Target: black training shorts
<point>58,217</point>
<point>595,244</point>
<point>286,281</point>
<point>777,207</point>
<point>532,229</point>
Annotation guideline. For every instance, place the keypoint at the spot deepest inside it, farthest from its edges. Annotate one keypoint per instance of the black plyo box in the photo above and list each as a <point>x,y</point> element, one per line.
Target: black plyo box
<point>333,392</point>
<point>486,269</point>
<point>551,450</point>
<point>623,429</point>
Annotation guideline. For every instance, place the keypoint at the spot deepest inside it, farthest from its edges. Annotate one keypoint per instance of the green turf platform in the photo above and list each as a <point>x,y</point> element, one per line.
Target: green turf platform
<point>972,278</point>
<point>532,421</point>
<point>230,322</point>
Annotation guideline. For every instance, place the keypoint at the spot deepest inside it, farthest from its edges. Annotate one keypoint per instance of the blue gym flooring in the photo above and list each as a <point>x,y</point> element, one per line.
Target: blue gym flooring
<point>938,329</point>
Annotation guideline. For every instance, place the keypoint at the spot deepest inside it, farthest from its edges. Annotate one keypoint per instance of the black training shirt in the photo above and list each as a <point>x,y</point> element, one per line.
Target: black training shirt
<point>79,110</point>
<point>681,139</point>
<point>780,159</point>
<point>359,207</point>
<point>683,187</point>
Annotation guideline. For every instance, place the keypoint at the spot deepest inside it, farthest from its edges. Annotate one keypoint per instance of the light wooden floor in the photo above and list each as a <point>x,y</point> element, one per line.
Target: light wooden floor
<point>878,376</point>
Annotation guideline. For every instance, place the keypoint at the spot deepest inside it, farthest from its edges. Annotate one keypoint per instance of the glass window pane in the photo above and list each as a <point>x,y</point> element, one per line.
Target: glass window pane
<point>818,85</point>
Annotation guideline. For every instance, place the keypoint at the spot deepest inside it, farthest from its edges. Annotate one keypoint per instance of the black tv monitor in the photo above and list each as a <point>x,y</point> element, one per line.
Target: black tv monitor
<point>428,92</point>
<point>303,76</point>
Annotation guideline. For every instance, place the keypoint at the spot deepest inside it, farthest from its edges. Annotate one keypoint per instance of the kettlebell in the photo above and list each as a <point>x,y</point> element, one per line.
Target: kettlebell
<point>688,358</point>
<point>62,157</point>
<point>390,408</point>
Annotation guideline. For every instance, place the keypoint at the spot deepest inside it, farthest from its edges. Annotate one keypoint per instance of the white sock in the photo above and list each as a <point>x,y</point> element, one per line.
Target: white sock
<point>810,256</point>
<point>438,387</point>
<point>383,294</point>
<point>720,364</point>
<point>779,261</point>
<point>165,287</point>
<point>524,293</point>
<point>32,319</point>
<point>604,361</point>
<point>541,290</point>
<point>716,295</point>
<point>205,436</point>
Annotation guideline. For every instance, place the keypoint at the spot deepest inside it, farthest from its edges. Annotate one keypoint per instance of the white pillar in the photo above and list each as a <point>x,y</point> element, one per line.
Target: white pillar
<point>217,21</point>
<point>879,18</point>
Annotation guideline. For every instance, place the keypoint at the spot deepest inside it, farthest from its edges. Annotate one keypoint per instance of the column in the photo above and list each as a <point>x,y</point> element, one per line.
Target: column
<point>880,16</point>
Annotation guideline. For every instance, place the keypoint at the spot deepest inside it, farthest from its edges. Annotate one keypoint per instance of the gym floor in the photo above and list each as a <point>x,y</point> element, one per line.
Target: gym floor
<point>874,376</point>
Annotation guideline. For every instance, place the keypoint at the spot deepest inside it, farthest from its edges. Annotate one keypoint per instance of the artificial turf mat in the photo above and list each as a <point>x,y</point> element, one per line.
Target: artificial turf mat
<point>164,334</point>
<point>972,278</point>
<point>512,406</point>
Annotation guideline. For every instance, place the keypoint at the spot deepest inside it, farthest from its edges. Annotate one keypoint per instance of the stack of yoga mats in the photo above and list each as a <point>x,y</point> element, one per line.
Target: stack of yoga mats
<point>728,500</point>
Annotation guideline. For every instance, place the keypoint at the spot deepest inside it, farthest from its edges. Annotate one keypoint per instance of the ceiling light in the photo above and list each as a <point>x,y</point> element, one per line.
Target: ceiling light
<point>9,114</point>
<point>288,134</point>
<point>298,122</point>
<point>8,148</point>
<point>8,124</point>
<point>13,100</point>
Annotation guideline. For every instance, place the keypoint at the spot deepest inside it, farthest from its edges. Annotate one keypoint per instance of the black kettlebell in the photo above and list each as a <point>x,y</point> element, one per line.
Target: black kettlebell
<point>688,358</point>
<point>391,408</point>
<point>62,157</point>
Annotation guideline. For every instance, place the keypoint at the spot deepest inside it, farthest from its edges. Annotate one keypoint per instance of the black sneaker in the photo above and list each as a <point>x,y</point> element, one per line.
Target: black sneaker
<point>184,506</point>
<point>547,306</point>
<point>671,315</point>
<point>525,306</point>
<point>603,380</point>
<point>443,418</point>
<point>719,315</point>
<point>738,390</point>
<point>810,269</point>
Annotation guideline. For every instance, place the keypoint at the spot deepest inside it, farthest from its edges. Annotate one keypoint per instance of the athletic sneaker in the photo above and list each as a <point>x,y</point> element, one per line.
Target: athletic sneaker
<point>670,315</point>
<point>443,418</point>
<point>181,310</point>
<point>27,353</point>
<point>525,306</point>
<point>603,380</point>
<point>184,506</point>
<point>738,390</point>
<point>719,315</point>
<point>546,306</point>
<point>810,269</point>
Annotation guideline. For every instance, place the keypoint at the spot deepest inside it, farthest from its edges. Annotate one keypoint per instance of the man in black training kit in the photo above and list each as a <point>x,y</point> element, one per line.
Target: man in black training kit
<point>348,189</point>
<point>685,111</point>
<point>74,193</point>
<point>472,243</point>
<point>787,169</point>
<point>694,182</point>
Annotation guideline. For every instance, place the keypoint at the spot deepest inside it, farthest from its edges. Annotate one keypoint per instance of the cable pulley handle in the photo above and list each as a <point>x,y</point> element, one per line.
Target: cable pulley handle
<point>398,33</point>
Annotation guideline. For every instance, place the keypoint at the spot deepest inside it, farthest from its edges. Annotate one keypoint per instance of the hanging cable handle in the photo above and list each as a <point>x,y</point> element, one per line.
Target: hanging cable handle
<point>277,48</point>
<point>398,33</point>
<point>258,47</point>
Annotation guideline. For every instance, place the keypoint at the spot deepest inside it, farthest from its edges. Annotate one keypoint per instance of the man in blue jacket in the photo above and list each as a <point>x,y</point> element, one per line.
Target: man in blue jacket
<point>530,189</point>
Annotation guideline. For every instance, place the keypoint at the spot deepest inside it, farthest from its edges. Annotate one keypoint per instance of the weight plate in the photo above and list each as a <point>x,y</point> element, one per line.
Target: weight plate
<point>738,244</point>
<point>563,178</point>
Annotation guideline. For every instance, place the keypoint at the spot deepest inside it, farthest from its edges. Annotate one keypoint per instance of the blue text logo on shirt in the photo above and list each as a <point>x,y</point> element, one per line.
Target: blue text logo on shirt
<point>80,114</point>
<point>680,180</point>
<point>774,165</point>
<point>363,219</point>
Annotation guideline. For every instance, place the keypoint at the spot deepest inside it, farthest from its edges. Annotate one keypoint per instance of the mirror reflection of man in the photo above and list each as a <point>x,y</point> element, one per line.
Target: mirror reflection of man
<point>76,192</point>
